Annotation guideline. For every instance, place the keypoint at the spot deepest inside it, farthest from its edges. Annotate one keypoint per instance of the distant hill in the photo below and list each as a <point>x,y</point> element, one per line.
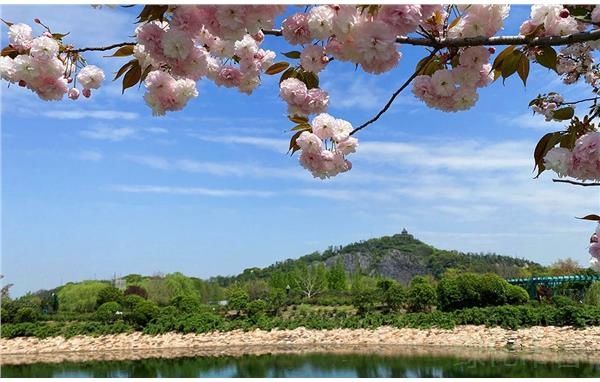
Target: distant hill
<point>400,257</point>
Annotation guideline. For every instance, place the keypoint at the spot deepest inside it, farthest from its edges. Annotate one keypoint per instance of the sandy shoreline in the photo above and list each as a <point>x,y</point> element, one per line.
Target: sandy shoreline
<point>473,341</point>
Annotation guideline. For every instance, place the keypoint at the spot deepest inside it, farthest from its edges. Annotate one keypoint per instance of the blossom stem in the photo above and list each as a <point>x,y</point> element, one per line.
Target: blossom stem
<point>575,183</point>
<point>396,93</point>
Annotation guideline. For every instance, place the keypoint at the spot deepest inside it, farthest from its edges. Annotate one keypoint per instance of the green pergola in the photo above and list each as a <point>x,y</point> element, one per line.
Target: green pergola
<point>531,283</point>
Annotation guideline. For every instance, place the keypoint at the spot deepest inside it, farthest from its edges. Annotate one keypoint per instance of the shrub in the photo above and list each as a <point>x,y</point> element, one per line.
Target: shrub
<point>200,323</point>
<point>109,294</point>
<point>493,290</point>
<point>107,312</point>
<point>560,301</point>
<point>144,312</point>
<point>467,290</point>
<point>136,290</point>
<point>364,299</point>
<point>257,308</point>
<point>80,297</point>
<point>27,314</point>
<point>421,295</point>
<point>186,304</point>
<point>130,301</point>
<point>237,298</point>
<point>516,295</point>
<point>592,294</point>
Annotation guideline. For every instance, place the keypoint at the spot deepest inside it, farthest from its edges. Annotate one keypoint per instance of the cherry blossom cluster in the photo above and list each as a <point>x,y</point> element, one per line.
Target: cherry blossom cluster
<point>324,148</point>
<point>351,34</point>
<point>302,101</point>
<point>455,88</point>
<point>220,42</point>
<point>550,20</point>
<point>595,249</point>
<point>582,162</point>
<point>575,61</point>
<point>37,66</point>
<point>546,105</point>
<point>479,20</point>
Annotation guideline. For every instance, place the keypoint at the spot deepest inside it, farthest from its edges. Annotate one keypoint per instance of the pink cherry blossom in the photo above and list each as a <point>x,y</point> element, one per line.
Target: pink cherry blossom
<point>402,18</point>
<point>295,29</point>
<point>313,58</point>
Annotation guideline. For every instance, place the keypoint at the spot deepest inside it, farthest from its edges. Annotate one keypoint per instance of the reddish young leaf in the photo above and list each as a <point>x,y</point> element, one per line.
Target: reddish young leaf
<point>277,67</point>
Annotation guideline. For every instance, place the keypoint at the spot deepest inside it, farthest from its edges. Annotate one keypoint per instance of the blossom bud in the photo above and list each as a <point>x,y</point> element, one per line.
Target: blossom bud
<point>594,238</point>
<point>86,93</point>
<point>22,83</point>
<point>492,50</point>
<point>37,21</point>
<point>47,34</point>
<point>564,13</point>
<point>73,93</point>
<point>69,80</point>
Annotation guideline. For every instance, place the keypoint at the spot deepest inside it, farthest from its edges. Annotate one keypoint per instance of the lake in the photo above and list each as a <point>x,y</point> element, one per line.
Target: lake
<point>362,361</point>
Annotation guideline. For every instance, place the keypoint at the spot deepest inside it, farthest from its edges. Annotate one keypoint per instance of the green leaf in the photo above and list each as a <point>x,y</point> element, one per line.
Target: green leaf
<point>591,217</point>
<point>60,36</point>
<point>510,64</point>
<point>501,56</point>
<point>547,142</point>
<point>133,76</point>
<point>293,54</point>
<point>123,51</point>
<point>546,57</point>
<point>564,113</point>
<point>523,69</point>
<point>310,79</point>
<point>277,67</point>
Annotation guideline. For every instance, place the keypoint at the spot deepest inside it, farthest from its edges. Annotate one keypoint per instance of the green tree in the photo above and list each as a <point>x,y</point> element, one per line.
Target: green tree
<point>107,312</point>
<point>109,294</point>
<point>136,290</point>
<point>237,298</point>
<point>80,297</point>
<point>144,312</point>
<point>186,304</point>
<point>394,297</point>
<point>336,277</point>
<point>257,289</point>
<point>421,295</point>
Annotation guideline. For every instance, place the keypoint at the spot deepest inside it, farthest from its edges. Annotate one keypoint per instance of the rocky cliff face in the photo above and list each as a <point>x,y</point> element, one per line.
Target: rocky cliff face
<point>395,264</point>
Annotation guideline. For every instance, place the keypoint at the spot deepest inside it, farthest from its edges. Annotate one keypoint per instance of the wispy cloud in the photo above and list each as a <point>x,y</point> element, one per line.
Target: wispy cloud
<point>149,161</point>
<point>530,121</point>
<point>90,155</point>
<point>273,144</point>
<point>107,133</point>
<point>85,114</point>
<point>197,191</point>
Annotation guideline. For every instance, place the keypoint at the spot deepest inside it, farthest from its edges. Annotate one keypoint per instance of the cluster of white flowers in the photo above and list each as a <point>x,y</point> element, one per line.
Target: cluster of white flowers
<point>456,88</point>
<point>479,20</point>
<point>547,105</point>
<point>325,147</point>
<point>38,67</point>
<point>583,162</point>
<point>219,42</point>
<point>550,20</point>
<point>575,61</point>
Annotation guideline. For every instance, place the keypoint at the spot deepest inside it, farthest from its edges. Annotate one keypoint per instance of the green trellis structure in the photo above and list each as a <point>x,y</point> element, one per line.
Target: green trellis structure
<point>531,283</point>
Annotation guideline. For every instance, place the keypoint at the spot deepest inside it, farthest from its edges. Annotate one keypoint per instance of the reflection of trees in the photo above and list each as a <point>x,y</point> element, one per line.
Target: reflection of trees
<point>308,365</point>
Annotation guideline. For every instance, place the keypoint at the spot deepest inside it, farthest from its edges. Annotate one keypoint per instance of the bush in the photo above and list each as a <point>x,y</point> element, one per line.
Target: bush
<point>144,312</point>
<point>27,314</point>
<point>80,297</point>
<point>516,295</point>
<point>186,304</point>
<point>257,308</point>
<point>109,294</point>
<point>364,299</point>
<point>467,290</point>
<point>421,295</point>
<point>107,312</point>
<point>131,301</point>
<point>237,299</point>
<point>592,294</point>
<point>560,301</point>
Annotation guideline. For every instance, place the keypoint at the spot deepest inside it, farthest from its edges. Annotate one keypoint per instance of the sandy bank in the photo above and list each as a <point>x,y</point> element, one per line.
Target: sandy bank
<point>470,338</point>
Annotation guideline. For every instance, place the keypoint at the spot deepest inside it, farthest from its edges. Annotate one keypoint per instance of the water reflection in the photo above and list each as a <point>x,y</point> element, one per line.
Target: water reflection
<point>368,362</point>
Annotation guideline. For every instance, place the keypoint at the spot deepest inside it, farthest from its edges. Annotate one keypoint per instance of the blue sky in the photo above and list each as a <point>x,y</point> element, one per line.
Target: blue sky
<point>97,187</point>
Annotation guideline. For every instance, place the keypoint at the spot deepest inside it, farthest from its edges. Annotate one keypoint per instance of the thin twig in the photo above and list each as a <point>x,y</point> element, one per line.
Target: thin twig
<point>575,183</point>
<point>396,93</point>
<point>581,100</point>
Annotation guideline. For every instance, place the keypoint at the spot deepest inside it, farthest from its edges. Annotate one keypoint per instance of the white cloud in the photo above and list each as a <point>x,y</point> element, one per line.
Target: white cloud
<point>115,134</point>
<point>156,130</point>
<point>149,161</point>
<point>90,155</point>
<point>197,191</point>
<point>530,121</point>
<point>85,114</point>
<point>273,144</point>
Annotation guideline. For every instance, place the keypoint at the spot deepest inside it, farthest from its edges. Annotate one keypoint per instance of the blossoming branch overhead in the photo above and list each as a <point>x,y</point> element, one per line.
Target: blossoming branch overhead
<point>176,46</point>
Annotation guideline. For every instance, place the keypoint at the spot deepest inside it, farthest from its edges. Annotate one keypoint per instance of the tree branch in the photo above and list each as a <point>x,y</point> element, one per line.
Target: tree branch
<point>581,100</point>
<point>396,93</point>
<point>482,40</point>
<point>575,183</point>
<point>101,48</point>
